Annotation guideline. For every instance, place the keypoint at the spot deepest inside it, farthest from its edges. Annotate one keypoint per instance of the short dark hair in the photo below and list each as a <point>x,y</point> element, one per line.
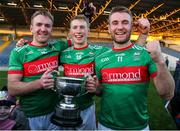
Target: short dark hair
<point>80,17</point>
<point>44,13</point>
<point>120,9</point>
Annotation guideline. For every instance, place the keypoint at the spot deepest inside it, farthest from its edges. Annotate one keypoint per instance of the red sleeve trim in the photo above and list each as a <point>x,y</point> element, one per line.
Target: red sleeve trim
<point>153,75</point>
<point>15,72</point>
<point>69,42</point>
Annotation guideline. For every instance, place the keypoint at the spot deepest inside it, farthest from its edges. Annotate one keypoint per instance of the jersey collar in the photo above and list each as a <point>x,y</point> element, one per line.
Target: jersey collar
<point>125,48</point>
<point>81,48</point>
<point>32,44</point>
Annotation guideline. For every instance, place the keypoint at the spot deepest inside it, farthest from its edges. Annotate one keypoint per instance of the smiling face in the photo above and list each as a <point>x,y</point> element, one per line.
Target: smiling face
<point>120,26</point>
<point>4,112</point>
<point>79,32</point>
<point>41,28</point>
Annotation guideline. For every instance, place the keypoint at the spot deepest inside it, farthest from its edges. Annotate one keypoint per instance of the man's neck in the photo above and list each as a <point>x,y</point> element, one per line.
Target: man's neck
<point>80,45</point>
<point>120,46</point>
<point>35,43</point>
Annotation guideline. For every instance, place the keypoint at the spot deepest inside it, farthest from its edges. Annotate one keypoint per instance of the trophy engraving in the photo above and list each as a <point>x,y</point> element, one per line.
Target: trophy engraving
<point>67,113</point>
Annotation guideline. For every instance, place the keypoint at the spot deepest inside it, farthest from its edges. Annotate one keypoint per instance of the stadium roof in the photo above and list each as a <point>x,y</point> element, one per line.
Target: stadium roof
<point>164,15</point>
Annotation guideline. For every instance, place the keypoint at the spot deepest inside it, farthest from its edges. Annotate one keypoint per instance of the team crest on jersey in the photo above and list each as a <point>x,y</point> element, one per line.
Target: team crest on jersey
<point>136,56</point>
<point>53,48</point>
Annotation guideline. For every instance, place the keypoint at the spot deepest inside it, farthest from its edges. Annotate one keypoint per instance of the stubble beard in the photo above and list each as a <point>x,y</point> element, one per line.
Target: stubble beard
<point>41,41</point>
<point>122,42</point>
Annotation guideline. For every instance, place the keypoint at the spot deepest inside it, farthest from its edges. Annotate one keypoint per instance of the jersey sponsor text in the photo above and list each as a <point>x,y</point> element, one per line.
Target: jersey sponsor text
<point>125,75</point>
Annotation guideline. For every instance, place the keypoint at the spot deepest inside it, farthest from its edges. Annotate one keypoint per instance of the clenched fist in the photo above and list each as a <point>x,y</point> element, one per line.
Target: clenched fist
<point>153,47</point>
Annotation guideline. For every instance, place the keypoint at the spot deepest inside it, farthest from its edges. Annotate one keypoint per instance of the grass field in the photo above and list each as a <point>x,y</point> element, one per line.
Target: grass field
<point>159,118</point>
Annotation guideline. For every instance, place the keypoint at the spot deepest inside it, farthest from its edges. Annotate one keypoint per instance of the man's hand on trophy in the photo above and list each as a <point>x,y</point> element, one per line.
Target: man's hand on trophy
<point>47,80</point>
<point>21,42</point>
<point>92,84</point>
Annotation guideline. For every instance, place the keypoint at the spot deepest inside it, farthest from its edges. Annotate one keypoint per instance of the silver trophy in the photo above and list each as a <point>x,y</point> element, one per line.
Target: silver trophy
<point>67,113</point>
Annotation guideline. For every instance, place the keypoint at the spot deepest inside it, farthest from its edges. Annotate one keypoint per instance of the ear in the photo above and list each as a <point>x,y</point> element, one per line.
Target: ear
<point>70,32</point>
<point>30,28</point>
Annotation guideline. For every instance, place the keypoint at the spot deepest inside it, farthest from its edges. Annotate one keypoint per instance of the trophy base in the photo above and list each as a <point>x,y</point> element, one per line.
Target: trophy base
<point>66,122</point>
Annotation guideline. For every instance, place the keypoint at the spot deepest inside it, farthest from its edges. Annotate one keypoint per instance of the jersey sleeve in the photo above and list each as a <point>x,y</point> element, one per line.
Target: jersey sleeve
<point>152,67</point>
<point>15,62</point>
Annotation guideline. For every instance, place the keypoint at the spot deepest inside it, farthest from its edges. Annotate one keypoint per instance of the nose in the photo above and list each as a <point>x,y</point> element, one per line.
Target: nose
<point>78,29</point>
<point>119,26</point>
<point>43,28</point>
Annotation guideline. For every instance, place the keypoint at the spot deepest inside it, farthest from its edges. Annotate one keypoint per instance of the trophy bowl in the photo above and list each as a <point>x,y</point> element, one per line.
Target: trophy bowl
<point>69,86</point>
<point>67,113</point>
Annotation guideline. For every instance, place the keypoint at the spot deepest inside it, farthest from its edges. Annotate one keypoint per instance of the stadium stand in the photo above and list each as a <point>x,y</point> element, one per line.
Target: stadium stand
<point>4,54</point>
<point>1,42</point>
<point>171,52</point>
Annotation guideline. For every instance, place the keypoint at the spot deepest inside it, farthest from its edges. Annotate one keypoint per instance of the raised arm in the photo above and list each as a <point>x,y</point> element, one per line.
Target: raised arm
<point>163,81</point>
<point>142,26</point>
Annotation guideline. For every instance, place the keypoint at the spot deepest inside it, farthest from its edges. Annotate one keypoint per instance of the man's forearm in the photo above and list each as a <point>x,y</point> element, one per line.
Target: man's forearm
<point>164,81</point>
<point>142,39</point>
<point>16,88</point>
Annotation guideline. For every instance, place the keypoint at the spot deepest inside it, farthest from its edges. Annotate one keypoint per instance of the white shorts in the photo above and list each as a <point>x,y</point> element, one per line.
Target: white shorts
<point>101,127</point>
<point>42,123</point>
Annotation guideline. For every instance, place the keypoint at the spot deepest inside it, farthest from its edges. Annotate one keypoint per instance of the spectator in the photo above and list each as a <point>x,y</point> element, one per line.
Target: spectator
<point>167,61</point>
<point>9,120</point>
<point>88,10</point>
<point>175,102</point>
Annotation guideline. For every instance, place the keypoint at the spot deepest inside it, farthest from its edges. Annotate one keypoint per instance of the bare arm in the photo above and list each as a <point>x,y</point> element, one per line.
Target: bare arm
<point>17,87</point>
<point>143,27</point>
<point>163,81</point>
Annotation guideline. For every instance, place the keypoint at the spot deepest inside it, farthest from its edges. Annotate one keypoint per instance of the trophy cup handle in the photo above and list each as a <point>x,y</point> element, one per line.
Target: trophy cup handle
<point>55,74</point>
<point>85,91</point>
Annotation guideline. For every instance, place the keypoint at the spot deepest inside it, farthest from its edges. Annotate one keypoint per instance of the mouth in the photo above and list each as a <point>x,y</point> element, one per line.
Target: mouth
<point>120,33</point>
<point>79,37</point>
